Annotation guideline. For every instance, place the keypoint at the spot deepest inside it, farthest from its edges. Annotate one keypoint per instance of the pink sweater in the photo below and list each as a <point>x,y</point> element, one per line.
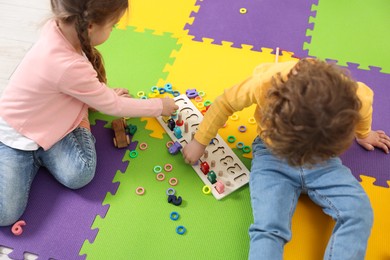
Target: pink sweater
<point>53,85</point>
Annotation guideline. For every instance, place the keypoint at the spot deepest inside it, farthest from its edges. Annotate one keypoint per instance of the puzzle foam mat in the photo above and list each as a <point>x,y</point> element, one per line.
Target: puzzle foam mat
<point>208,45</point>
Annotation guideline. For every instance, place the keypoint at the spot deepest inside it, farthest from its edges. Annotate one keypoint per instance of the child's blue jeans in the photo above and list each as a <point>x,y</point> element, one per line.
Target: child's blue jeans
<point>275,187</point>
<point>72,161</point>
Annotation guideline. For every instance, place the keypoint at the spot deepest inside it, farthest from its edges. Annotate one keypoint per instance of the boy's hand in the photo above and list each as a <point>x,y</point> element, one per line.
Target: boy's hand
<point>193,151</point>
<point>169,106</point>
<point>375,139</point>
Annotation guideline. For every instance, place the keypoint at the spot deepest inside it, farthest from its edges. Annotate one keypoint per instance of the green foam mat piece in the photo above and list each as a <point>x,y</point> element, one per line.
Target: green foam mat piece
<point>139,227</point>
<point>136,60</point>
<point>355,32</point>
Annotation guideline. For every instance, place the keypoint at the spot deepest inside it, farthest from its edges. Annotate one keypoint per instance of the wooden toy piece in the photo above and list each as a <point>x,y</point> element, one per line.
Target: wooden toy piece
<point>175,148</point>
<point>191,93</point>
<point>177,132</point>
<point>212,177</point>
<point>206,154</point>
<point>171,124</point>
<point>212,164</point>
<point>121,139</point>
<point>231,171</point>
<point>179,121</point>
<point>204,167</point>
<point>220,187</point>
<point>131,129</point>
<point>175,200</point>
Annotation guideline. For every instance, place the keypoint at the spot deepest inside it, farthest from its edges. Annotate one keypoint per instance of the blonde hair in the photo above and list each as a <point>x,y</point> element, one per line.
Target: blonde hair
<point>84,12</point>
<point>311,116</point>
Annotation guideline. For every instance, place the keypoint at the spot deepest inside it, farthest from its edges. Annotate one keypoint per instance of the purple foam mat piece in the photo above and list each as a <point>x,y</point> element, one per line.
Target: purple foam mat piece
<point>372,163</point>
<point>266,23</point>
<point>59,219</point>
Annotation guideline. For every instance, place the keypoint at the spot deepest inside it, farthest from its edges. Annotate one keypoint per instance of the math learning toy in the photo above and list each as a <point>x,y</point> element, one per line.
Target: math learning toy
<point>219,167</point>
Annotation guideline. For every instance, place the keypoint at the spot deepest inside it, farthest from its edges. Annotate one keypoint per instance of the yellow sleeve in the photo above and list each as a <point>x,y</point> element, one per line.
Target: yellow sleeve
<point>366,96</point>
<point>237,98</point>
<point>232,100</point>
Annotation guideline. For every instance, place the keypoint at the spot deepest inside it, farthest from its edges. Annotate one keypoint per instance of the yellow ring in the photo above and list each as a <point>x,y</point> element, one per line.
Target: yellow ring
<point>243,10</point>
<point>206,189</point>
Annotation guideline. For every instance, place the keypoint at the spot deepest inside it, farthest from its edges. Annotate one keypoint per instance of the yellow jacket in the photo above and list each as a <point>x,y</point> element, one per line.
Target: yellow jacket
<point>251,91</point>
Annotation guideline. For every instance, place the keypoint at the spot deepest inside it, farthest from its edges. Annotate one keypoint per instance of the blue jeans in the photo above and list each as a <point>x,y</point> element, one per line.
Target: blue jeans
<point>275,187</point>
<point>72,161</point>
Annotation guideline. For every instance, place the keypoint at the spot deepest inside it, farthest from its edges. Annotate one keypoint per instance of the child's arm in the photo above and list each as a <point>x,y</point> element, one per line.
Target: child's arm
<point>375,139</point>
<point>232,100</point>
<point>365,136</point>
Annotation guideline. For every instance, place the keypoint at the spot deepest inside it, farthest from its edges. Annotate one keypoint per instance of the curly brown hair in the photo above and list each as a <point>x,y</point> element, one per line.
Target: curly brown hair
<point>311,116</point>
<point>84,12</point>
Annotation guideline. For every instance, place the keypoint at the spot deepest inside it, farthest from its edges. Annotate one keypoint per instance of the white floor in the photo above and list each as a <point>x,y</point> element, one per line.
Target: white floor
<point>20,22</point>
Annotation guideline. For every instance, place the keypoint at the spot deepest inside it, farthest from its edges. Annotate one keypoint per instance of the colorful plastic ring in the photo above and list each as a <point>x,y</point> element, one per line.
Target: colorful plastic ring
<point>234,117</point>
<point>240,145</point>
<point>207,103</point>
<point>201,93</point>
<point>206,189</point>
<point>180,230</point>
<point>169,144</point>
<point>160,176</point>
<point>153,94</point>
<point>133,154</point>
<point>157,169</point>
<point>154,89</point>
<point>173,181</point>
<point>143,146</point>
<point>144,97</point>
<point>17,227</point>
<point>170,191</point>
<point>176,93</point>
<point>231,139</point>
<point>200,105</point>
<point>140,190</point>
<point>161,90</point>
<point>174,215</point>
<point>243,10</point>
<point>140,94</point>
<point>242,128</point>
<point>168,167</point>
<point>246,149</point>
<point>198,99</point>
<point>252,120</point>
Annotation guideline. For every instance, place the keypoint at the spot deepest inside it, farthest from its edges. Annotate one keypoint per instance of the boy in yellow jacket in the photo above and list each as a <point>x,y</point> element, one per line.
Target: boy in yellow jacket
<point>307,114</point>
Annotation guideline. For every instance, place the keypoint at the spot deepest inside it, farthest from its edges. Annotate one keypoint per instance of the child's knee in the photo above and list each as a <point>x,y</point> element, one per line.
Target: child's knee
<point>9,215</point>
<point>78,178</point>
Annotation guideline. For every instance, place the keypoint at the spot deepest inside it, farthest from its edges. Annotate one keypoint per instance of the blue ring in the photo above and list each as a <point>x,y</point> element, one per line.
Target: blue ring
<point>180,230</point>
<point>174,215</point>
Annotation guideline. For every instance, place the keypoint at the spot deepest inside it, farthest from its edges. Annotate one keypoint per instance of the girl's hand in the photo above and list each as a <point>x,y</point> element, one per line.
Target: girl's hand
<point>375,139</point>
<point>122,92</point>
<point>169,106</point>
<point>193,151</point>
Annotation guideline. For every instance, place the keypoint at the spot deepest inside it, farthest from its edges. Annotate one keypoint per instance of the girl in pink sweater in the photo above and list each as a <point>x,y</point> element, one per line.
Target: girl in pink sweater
<point>44,109</point>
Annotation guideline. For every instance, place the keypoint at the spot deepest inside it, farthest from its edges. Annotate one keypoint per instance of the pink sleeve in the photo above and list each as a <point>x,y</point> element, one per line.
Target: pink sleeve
<point>80,81</point>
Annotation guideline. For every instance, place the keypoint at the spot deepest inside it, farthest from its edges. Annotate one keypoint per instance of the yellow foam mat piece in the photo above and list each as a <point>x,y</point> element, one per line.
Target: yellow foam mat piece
<point>161,16</point>
<point>311,228</point>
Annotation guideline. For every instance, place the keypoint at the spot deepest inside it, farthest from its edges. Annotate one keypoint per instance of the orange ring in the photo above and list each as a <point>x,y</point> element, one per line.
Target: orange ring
<point>173,181</point>
<point>140,190</point>
<point>160,176</point>
<point>169,144</point>
<point>168,167</point>
<point>143,146</point>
